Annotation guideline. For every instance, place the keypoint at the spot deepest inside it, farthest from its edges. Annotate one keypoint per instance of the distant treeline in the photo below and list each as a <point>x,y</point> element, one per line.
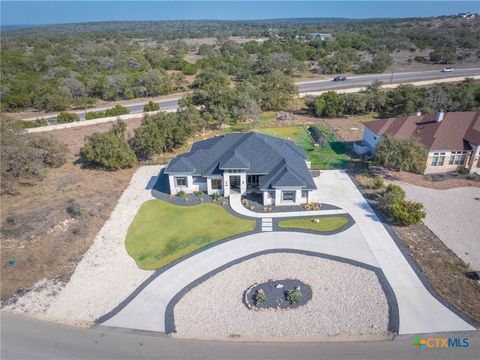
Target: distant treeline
<point>55,68</point>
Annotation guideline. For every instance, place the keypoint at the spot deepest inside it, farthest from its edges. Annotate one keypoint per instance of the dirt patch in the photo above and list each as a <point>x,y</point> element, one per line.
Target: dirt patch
<point>39,238</point>
<point>421,180</point>
<point>444,270</point>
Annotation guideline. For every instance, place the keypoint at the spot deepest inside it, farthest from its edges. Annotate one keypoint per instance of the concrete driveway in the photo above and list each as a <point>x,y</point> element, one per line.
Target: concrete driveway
<point>367,241</point>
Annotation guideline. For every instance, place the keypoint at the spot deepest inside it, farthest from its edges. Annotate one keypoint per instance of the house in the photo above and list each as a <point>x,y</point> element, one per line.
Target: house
<point>452,139</point>
<point>244,162</point>
<point>466,16</point>
<point>320,36</point>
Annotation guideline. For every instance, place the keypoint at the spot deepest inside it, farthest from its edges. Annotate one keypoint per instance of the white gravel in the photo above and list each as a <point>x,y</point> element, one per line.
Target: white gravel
<point>106,275</point>
<point>454,216</point>
<point>347,300</point>
<point>36,300</point>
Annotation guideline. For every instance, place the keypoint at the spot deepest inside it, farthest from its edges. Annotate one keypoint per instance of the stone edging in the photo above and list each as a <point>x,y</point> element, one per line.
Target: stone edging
<point>423,278</point>
<point>393,313</point>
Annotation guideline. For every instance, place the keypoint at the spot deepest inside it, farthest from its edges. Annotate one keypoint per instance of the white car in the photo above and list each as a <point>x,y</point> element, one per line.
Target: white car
<point>448,69</point>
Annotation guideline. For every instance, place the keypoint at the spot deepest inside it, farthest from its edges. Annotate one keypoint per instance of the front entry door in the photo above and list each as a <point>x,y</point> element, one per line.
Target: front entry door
<point>235,182</point>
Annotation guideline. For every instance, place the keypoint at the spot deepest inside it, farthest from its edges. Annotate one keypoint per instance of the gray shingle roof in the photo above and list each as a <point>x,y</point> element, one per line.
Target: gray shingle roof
<point>281,162</point>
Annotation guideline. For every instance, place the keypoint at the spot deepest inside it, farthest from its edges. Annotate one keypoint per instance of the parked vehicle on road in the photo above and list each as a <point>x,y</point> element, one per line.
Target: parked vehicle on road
<point>340,78</point>
<point>447,69</point>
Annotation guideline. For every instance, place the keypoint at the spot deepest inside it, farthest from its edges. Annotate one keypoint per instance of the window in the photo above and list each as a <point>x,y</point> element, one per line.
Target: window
<point>288,195</point>
<point>457,158</point>
<point>374,138</point>
<point>271,194</point>
<point>181,181</point>
<point>438,159</point>
<point>216,184</point>
<point>252,179</point>
<point>304,194</point>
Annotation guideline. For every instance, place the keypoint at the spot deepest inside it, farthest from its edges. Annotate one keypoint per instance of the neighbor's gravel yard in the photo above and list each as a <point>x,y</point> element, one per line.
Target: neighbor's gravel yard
<point>346,300</point>
<point>454,216</point>
<point>106,275</point>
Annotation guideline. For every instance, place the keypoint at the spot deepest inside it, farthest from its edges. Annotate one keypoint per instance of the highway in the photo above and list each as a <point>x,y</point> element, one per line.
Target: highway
<point>24,338</point>
<point>364,80</point>
<point>315,85</point>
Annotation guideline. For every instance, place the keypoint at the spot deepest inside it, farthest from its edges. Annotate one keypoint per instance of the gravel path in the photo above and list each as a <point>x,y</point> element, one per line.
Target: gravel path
<point>347,300</point>
<point>106,275</point>
<point>454,216</point>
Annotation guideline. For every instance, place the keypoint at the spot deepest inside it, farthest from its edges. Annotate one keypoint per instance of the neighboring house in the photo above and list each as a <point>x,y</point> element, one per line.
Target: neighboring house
<point>466,16</point>
<point>320,36</point>
<point>451,139</point>
<point>244,162</point>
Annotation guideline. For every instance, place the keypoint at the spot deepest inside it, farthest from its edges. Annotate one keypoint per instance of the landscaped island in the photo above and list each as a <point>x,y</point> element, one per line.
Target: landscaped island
<point>327,223</point>
<point>162,232</point>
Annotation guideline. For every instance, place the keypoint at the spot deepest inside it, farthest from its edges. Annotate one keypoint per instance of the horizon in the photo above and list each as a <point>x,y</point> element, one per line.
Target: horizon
<point>18,14</point>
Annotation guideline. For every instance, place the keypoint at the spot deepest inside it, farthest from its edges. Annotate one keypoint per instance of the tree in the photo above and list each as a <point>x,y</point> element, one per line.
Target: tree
<point>403,100</point>
<point>67,117</point>
<point>405,155</point>
<point>354,104</point>
<point>276,90</point>
<point>25,157</point>
<point>329,104</point>
<point>151,106</point>
<point>109,150</point>
<point>161,132</point>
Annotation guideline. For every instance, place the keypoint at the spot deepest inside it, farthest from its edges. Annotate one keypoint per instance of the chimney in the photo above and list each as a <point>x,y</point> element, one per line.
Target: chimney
<point>419,113</point>
<point>439,116</point>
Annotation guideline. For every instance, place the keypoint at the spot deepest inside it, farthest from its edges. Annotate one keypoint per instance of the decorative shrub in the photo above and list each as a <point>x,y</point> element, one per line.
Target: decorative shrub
<point>392,195</point>
<point>293,296</point>
<point>407,212</point>
<point>259,297</point>
<point>181,193</point>
<point>216,196</point>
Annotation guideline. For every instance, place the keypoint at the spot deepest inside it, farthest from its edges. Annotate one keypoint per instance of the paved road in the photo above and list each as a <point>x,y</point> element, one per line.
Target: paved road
<point>320,85</point>
<point>356,81</point>
<point>23,338</point>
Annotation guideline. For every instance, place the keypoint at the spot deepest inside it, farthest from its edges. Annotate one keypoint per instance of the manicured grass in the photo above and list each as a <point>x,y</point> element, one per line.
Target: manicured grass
<point>331,155</point>
<point>162,232</point>
<point>329,223</point>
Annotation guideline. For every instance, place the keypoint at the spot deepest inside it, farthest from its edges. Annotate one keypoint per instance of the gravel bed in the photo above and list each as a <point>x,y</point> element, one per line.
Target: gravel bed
<point>453,215</point>
<point>106,275</point>
<point>346,300</point>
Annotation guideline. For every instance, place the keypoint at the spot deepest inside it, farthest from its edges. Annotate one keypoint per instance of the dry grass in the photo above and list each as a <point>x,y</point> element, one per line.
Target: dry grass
<point>36,229</point>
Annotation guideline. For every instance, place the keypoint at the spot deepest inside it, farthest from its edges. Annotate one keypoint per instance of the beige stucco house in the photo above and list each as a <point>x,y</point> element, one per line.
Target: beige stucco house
<point>452,139</point>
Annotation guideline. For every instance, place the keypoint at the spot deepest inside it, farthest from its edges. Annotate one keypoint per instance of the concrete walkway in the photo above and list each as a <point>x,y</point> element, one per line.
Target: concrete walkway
<point>419,311</point>
<point>147,310</point>
<point>237,206</point>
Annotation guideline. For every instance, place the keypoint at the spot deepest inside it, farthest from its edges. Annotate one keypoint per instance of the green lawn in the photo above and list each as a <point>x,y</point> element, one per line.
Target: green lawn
<point>332,155</point>
<point>329,223</point>
<point>162,232</point>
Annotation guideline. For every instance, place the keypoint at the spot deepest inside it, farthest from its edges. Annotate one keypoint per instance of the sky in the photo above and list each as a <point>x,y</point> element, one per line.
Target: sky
<point>62,12</point>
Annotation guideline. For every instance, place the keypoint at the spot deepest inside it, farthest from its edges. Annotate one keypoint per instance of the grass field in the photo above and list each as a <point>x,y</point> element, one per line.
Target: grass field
<point>331,155</point>
<point>162,232</point>
<point>330,223</point>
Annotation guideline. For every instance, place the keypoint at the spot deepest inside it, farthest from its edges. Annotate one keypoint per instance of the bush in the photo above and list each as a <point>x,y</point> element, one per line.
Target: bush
<point>33,123</point>
<point>259,297</point>
<point>67,117</point>
<point>151,106</point>
<point>462,170</point>
<point>115,111</point>
<point>109,150</point>
<point>392,195</point>
<point>73,208</point>
<point>181,194</point>
<point>53,152</point>
<point>377,183</point>
<point>406,155</point>
<point>293,296</point>
<point>407,212</point>
<point>329,104</point>
<point>216,196</point>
